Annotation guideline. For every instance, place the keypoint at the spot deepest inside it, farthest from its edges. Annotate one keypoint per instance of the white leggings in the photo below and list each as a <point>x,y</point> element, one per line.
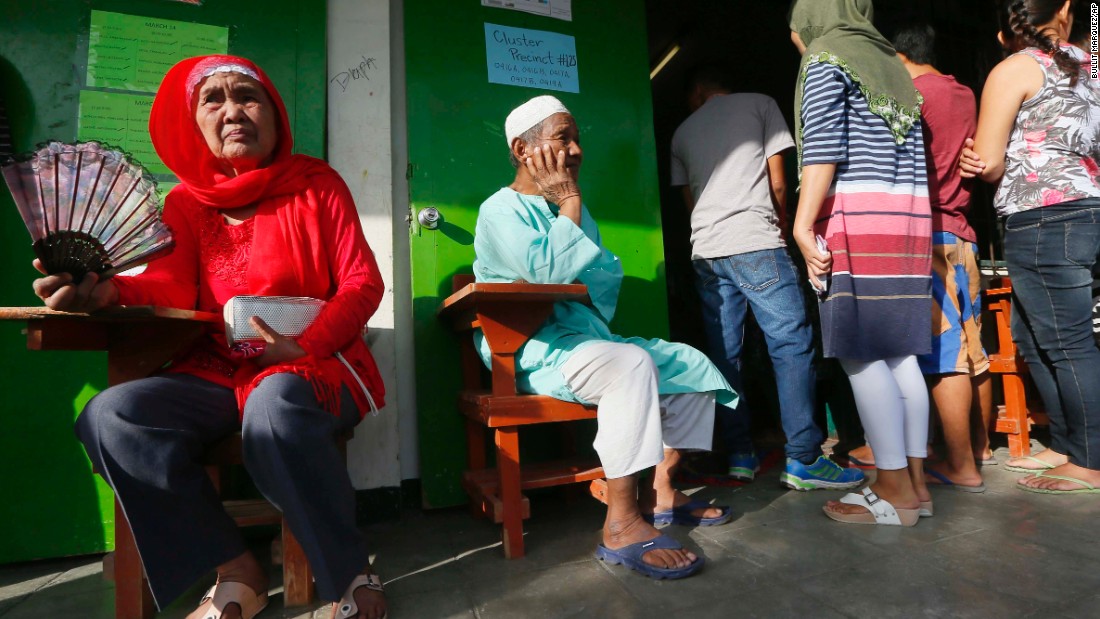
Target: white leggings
<point>892,399</point>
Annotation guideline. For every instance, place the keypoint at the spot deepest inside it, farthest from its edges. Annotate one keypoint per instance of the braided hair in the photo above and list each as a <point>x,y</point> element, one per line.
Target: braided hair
<point>1019,21</point>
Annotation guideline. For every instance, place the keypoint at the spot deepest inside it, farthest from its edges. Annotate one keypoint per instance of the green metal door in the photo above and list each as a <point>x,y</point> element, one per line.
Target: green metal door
<point>458,157</point>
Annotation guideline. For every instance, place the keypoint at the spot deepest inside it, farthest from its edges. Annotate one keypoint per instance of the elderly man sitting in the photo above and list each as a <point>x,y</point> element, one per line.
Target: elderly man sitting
<point>653,398</point>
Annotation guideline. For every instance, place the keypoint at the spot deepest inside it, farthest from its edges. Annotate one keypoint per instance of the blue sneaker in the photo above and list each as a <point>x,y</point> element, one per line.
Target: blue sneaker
<point>743,467</point>
<point>822,474</point>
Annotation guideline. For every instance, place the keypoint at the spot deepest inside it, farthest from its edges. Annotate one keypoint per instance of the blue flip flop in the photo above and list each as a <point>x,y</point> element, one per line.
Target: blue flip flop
<point>681,514</point>
<point>631,557</point>
<point>856,463</point>
<point>944,481</point>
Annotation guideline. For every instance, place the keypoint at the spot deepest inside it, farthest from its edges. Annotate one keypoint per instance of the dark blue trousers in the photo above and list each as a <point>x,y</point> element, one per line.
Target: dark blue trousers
<point>147,438</point>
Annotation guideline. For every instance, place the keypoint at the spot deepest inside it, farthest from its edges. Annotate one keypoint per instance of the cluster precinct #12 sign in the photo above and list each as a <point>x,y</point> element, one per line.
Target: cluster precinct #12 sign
<point>531,58</point>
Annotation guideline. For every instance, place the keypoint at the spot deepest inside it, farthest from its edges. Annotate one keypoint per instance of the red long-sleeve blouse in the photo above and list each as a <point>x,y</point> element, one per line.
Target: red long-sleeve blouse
<point>308,244</point>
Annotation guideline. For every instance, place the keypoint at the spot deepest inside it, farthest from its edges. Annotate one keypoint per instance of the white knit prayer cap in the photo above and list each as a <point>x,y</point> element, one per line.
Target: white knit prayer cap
<point>530,114</point>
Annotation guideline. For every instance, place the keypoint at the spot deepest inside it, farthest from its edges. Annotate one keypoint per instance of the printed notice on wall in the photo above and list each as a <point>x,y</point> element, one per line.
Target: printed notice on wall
<point>558,9</point>
<point>531,58</point>
<point>131,52</point>
<point>120,120</point>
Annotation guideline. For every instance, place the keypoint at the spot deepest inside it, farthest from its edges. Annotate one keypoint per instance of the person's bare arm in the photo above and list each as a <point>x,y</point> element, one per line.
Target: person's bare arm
<point>816,180</point>
<point>777,179</point>
<point>689,200</point>
<point>1009,84</point>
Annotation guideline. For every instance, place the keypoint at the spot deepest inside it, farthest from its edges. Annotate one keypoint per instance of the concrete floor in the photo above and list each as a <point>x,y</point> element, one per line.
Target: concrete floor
<point>1002,554</point>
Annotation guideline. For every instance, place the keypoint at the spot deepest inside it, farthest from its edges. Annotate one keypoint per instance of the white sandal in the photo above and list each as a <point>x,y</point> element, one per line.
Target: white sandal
<point>346,607</point>
<point>222,594</point>
<point>879,511</point>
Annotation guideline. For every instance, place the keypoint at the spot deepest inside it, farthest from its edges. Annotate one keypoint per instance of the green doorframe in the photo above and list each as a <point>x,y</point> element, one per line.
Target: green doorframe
<point>458,157</point>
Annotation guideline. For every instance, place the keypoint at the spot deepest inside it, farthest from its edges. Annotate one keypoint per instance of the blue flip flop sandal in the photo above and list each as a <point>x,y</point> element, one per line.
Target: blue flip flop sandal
<point>681,514</point>
<point>856,463</point>
<point>944,481</point>
<point>631,557</point>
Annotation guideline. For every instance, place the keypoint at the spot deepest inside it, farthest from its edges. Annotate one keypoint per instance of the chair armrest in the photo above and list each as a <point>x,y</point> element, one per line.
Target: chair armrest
<point>460,310</point>
<point>138,339</point>
<point>508,315</point>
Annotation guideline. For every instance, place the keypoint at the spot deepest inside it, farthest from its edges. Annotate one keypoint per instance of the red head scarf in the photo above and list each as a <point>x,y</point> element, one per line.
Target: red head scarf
<point>182,147</point>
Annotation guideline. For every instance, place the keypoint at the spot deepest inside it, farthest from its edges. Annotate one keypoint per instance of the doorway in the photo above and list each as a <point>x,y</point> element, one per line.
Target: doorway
<point>752,39</point>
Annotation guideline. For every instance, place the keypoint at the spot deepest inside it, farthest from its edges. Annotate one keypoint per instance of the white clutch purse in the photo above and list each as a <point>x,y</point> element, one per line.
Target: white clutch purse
<point>289,316</point>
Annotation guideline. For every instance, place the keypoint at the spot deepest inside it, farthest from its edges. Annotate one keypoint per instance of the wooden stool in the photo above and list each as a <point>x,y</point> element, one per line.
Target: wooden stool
<point>1014,418</point>
<point>508,314</point>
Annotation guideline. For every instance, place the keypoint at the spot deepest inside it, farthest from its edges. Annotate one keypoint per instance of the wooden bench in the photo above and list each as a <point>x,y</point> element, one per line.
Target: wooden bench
<point>139,341</point>
<point>1014,417</point>
<point>508,315</point>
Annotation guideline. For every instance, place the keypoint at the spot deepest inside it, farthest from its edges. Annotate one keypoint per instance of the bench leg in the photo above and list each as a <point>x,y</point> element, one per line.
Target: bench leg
<point>133,600</point>
<point>507,440</point>
<point>297,576</point>
<point>1019,443</point>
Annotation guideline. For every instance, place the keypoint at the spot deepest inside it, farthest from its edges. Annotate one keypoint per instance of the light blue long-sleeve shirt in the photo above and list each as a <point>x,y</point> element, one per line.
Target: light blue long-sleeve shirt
<point>521,237</point>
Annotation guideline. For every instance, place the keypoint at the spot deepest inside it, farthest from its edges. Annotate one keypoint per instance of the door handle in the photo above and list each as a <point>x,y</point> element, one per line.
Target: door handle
<point>429,218</point>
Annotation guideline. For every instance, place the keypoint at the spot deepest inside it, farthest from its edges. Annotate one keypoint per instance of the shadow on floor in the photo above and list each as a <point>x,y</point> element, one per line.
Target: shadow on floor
<point>1003,554</point>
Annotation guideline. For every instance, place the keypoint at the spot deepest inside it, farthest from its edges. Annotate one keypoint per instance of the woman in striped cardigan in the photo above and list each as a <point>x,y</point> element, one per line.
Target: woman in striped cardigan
<point>864,226</point>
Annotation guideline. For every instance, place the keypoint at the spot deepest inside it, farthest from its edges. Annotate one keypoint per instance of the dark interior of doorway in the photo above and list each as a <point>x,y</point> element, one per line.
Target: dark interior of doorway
<point>751,39</point>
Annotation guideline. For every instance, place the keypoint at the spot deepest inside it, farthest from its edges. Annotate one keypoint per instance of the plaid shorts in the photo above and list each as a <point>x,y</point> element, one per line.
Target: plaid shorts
<point>956,309</point>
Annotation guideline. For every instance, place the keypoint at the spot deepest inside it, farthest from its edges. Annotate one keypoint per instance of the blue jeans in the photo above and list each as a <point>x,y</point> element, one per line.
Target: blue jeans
<point>1052,255</point>
<point>767,282</point>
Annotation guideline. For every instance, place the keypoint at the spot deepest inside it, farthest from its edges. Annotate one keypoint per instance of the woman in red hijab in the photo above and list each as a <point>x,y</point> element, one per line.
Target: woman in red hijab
<point>248,218</point>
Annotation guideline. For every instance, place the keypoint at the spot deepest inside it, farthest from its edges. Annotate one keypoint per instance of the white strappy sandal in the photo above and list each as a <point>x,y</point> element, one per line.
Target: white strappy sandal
<point>346,607</point>
<point>879,511</point>
<point>222,594</point>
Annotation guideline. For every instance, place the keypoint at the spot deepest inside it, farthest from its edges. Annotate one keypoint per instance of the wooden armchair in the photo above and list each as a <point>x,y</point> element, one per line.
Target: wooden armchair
<point>1014,418</point>
<point>508,315</point>
<point>139,341</point>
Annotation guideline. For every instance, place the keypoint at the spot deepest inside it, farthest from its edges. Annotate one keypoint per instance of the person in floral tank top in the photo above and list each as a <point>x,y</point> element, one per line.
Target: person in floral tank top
<point>1039,138</point>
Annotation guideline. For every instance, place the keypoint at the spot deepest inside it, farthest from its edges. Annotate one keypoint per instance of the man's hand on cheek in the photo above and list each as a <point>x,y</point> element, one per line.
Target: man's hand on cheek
<point>551,175</point>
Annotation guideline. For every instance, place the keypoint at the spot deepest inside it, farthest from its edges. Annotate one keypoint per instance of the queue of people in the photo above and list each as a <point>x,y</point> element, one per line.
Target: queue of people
<point>881,139</point>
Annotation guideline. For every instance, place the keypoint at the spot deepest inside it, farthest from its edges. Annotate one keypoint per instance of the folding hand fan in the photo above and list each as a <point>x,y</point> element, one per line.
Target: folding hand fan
<point>88,209</point>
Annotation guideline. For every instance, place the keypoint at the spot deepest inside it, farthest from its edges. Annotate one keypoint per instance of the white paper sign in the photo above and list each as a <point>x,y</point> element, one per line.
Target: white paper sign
<point>558,9</point>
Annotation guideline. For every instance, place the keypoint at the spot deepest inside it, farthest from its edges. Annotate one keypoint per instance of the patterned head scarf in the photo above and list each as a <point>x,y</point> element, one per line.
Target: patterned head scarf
<point>841,33</point>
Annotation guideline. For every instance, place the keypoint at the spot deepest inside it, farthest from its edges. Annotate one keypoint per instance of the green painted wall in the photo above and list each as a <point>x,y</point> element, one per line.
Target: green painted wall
<point>52,503</point>
<point>458,157</point>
